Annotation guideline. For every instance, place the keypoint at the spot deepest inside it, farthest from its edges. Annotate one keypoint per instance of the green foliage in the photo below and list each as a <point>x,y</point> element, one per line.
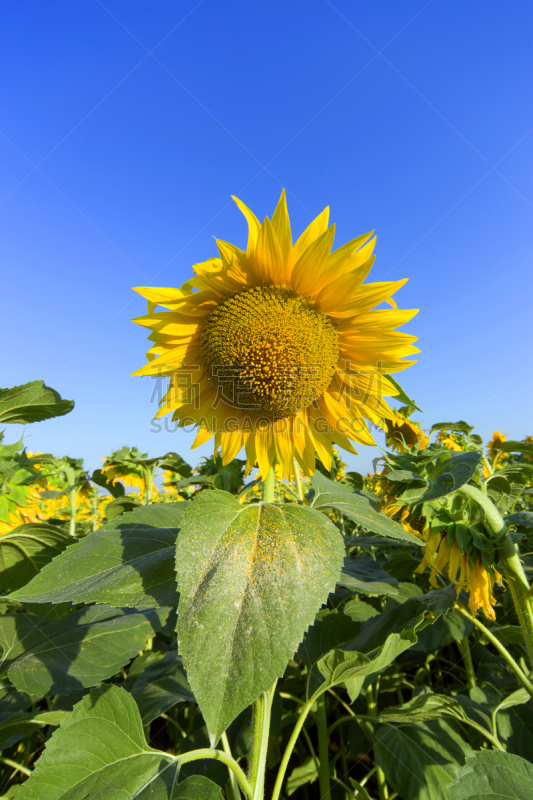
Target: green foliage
<point>100,750</point>
<point>492,775</point>
<point>130,566</point>
<point>361,508</point>
<point>25,550</point>
<point>32,402</point>
<point>263,573</point>
<point>44,656</point>
<point>383,685</point>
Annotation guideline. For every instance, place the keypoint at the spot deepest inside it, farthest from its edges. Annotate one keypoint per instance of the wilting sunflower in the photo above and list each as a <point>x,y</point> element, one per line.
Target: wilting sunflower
<point>449,440</point>
<point>403,434</point>
<point>494,447</point>
<point>279,348</point>
<point>465,571</point>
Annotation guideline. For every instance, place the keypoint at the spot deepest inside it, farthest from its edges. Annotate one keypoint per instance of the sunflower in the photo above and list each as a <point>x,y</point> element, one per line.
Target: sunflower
<point>494,447</point>
<point>19,508</point>
<point>279,348</point>
<point>449,440</point>
<point>403,434</point>
<point>466,572</point>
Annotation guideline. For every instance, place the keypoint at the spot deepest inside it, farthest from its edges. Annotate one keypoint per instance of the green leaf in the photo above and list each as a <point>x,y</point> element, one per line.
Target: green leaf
<point>493,775</point>
<point>114,489</point>
<point>401,396</point>
<point>420,761</point>
<point>332,629</point>
<point>517,698</point>
<point>522,519</point>
<point>377,643</point>
<point>130,566</point>
<point>25,550</point>
<point>451,627</point>
<point>358,507</point>
<point>44,656</point>
<point>304,773</point>
<point>515,729</point>
<point>509,634</point>
<point>14,727</point>
<point>458,427</point>
<point>32,402</point>
<point>100,751</point>
<point>251,580</point>
<point>365,576</point>
<point>424,708</point>
<point>161,686</point>
<point>120,505</point>
<point>517,447</point>
<point>360,611</point>
<point>404,476</point>
<point>450,473</point>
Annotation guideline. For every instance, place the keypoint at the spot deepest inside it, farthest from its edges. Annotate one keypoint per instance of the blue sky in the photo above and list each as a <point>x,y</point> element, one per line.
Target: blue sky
<point>126,126</point>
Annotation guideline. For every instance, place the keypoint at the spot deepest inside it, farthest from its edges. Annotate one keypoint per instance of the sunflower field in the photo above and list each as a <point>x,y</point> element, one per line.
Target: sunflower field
<point>268,623</point>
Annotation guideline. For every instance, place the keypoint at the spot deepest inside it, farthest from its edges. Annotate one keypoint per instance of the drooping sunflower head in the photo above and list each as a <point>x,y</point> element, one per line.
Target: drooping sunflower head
<point>450,440</point>
<point>279,348</point>
<point>403,434</point>
<point>494,447</point>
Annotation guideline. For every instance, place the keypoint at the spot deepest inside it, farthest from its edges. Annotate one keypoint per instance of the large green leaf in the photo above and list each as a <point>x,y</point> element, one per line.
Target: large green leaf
<point>130,566</point>
<point>365,576</point>
<point>423,708</point>
<point>448,475</point>
<point>14,727</point>
<point>517,447</point>
<point>161,686</point>
<point>420,761</point>
<point>515,728</point>
<point>32,402</point>
<point>378,642</point>
<point>100,751</point>
<point>114,489</point>
<point>332,629</point>
<point>459,427</point>
<point>358,507</point>
<point>25,550</point>
<point>493,775</point>
<point>251,580</point>
<point>60,656</point>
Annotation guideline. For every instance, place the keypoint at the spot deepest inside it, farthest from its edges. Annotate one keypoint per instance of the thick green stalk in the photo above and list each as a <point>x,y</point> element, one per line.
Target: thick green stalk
<point>464,648</point>
<point>512,566</point>
<point>298,483</point>
<point>519,586</point>
<point>148,487</point>
<point>323,750</point>
<point>268,486</point>
<point>72,496</point>
<point>522,677</point>
<point>260,732</point>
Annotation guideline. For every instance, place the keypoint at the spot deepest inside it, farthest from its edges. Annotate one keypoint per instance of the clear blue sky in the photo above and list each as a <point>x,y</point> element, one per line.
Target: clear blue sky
<point>126,126</point>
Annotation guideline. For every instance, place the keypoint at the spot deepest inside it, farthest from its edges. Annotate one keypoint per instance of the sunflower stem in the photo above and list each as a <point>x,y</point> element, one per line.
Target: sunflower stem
<point>260,733</point>
<point>511,565</point>
<point>298,483</point>
<point>269,485</point>
<point>520,674</point>
<point>464,648</point>
<point>323,746</point>
<point>520,590</point>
